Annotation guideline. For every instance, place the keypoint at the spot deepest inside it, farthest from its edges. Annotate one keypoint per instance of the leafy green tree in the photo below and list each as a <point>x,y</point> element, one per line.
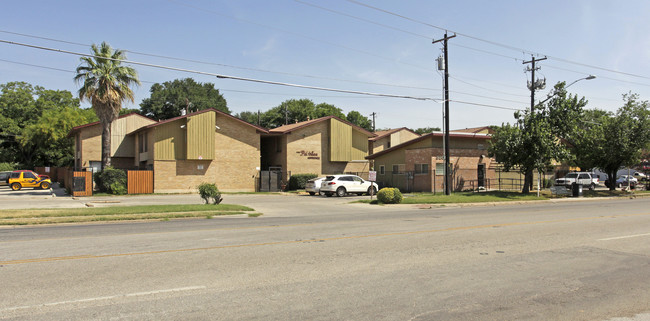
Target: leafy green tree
<point>47,137</point>
<point>362,121</point>
<point>106,83</point>
<point>288,112</point>
<point>616,140</point>
<point>171,97</point>
<point>325,109</point>
<point>17,109</point>
<point>537,139</point>
<point>126,111</point>
<point>249,116</point>
<point>426,130</point>
<point>31,131</point>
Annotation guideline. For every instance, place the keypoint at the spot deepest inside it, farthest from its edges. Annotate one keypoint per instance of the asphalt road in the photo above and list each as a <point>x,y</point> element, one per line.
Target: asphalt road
<point>317,258</point>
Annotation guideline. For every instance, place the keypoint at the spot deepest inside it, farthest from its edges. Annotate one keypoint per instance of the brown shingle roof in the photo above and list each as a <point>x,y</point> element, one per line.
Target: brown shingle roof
<point>77,128</point>
<point>423,137</point>
<point>384,133</point>
<point>291,127</point>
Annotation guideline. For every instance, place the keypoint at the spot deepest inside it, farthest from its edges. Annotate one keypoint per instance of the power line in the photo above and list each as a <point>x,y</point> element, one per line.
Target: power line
<point>525,51</point>
<point>300,35</point>
<point>485,105</point>
<point>220,76</point>
<point>224,65</point>
<point>258,92</point>
<point>477,86</point>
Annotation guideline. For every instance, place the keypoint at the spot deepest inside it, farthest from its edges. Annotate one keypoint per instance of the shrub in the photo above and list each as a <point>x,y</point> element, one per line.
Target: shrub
<point>111,180</point>
<point>7,167</point>
<point>298,181</point>
<point>209,191</point>
<point>389,195</point>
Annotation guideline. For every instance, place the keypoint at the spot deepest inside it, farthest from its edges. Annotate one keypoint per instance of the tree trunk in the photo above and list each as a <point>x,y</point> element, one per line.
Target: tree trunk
<point>528,180</point>
<point>611,176</point>
<point>106,144</point>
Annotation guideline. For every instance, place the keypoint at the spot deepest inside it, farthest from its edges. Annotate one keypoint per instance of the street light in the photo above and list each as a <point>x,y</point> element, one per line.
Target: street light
<point>590,77</point>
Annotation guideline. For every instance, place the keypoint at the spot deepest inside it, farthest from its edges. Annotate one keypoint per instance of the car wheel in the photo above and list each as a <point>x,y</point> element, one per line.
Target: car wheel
<point>372,190</point>
<point>16,186</point>
<point>45,185</point>
<point>311,193</point>
<point>340,192</point>
<point>619,185</point>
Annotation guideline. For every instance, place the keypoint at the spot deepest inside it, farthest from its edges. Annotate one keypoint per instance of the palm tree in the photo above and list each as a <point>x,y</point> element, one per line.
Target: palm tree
<point>106,83</point>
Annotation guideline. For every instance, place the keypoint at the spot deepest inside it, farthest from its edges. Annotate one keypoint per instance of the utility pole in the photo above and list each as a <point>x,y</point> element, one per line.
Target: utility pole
<point>373,120</point>
<point>286,115</point>
<point>533,85</point>
<point>446,123</point>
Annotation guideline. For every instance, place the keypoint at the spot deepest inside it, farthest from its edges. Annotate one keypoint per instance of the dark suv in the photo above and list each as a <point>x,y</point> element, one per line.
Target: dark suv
<point>4,178</point>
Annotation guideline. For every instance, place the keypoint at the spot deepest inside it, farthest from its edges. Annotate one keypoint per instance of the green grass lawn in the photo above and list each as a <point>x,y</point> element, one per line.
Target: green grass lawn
<point>499,196</point>
<point>118,213</point>
<point>469,197</point>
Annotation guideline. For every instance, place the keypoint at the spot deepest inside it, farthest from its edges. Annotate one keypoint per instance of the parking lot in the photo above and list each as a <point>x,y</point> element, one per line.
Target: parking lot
<point>269,204</point>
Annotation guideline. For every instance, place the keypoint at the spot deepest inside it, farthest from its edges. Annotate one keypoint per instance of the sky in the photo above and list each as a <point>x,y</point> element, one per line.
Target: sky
<point>365,46</point>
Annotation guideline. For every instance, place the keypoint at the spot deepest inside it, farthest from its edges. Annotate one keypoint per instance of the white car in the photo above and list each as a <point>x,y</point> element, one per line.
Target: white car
<point>313,185</point>
<point>623,179</point>
<point>640,176</point>
<point>344,184</point>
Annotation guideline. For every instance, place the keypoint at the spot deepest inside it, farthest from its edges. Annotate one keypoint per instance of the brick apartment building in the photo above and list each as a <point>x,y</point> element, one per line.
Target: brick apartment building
<point>205,146</point>
<point>88,142</point>
<point>327,145</point>
<point>418,164</point>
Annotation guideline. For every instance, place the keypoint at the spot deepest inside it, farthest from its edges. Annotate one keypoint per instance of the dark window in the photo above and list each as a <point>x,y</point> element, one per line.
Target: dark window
<point>29,175</point>
<point>346,178</point>
<point>357,179</point>
<point>395,169</point>
<point>15,175</point>
<point>421,168</point>
<point>382,170</point>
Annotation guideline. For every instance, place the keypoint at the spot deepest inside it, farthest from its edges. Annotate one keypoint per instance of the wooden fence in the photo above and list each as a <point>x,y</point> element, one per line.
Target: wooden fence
<point>82,183</point>
<point>140,182</point>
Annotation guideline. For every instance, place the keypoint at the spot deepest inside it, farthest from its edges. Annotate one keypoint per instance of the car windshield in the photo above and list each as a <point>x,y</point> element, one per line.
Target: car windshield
<point>572,175</point>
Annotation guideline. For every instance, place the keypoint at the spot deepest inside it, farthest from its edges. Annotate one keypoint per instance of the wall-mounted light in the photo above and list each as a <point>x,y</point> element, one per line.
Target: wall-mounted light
<point>182,126</point>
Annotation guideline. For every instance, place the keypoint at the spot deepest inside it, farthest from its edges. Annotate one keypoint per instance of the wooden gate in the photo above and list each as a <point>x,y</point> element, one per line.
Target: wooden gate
<point>82,183</point>
<point>139,182</point>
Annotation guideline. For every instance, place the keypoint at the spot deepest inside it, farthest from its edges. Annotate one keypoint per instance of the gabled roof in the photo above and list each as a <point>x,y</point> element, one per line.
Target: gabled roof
<point>474,130</point>
<point>429,135</point>
<point>258,128</point>
<point>291,127</point>
<point>383,133</point>
<point>80,127</point>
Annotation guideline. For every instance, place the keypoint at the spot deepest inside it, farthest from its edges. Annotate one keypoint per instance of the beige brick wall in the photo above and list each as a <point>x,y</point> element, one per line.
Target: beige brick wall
<point>234,169</point>
<point>91,145</point>
<point>308,153</point>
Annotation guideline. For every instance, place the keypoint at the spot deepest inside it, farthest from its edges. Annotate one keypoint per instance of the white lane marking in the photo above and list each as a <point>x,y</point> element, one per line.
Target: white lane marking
<point>624,237</point>
<point>189,288</point>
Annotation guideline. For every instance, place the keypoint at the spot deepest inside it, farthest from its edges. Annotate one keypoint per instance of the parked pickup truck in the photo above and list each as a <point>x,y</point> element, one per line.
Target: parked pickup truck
<point>586,179</point>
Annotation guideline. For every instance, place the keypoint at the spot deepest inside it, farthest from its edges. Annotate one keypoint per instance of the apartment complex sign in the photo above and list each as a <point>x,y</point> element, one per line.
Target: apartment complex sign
<point>309,154</point>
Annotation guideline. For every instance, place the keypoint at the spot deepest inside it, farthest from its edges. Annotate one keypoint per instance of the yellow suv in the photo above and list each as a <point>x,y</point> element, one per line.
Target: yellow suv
<point>20,179</point>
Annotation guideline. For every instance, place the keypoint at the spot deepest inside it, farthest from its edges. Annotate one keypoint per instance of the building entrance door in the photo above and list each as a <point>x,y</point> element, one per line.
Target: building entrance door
<point>481,175</point>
